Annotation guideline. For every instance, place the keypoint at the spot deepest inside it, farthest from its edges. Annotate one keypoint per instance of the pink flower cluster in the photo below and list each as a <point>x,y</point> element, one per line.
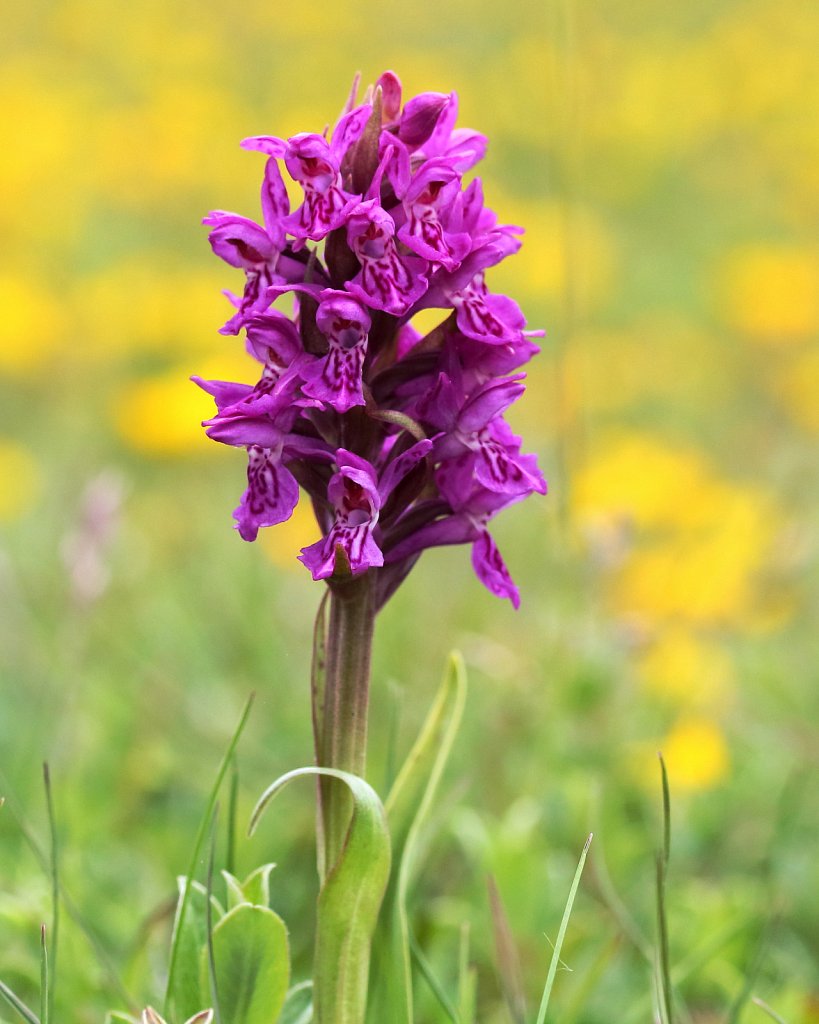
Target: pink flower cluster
<point>399,439</point>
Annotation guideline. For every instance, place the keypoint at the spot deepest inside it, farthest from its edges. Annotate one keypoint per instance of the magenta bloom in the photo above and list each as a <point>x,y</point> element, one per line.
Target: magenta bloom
<point>398,439</point>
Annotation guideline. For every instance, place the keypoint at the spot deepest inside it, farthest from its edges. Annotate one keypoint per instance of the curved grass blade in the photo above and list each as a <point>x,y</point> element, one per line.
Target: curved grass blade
<point>407,807</point>
<point>567,913</point>
<point>14,1001</point>
<point>197,849</point>
<point>767,1009</point>
<point>349,900</point>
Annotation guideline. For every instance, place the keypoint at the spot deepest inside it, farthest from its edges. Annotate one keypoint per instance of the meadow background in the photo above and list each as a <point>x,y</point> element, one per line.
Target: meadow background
<point>664,158</point>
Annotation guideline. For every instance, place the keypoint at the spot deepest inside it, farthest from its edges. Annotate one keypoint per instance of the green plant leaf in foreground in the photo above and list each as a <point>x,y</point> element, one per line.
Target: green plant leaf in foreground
<point>298,1006</point>
<point>348,902</point>
<point>407,808</point>
<point>251,963</point>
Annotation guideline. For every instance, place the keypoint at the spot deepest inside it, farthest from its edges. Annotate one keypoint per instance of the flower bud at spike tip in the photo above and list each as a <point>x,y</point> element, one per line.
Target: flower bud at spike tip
<point>399,440</point>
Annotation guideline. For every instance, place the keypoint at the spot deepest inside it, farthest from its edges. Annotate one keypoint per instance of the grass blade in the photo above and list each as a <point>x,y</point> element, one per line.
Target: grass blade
<point>664,961</point>
<point>201,834</point>
<point>428,975</point>
<point>767,1009</point>
<point>567,913</point>
<point>101,953</point>
<point>466,980</point>
<point>233,800</point>
<point>54,871</point>
<point>28,1015</point>
<point>45,990</point>
<point>214,994</point>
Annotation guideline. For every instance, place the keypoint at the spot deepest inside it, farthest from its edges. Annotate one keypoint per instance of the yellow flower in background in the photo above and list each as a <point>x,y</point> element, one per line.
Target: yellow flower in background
<point>697,545</point>
<point>703,575</point>
<point>19,480</point>
<point>31,327</point>
<point>695,754</point>
<point>771,292</point>
<point>638,481</point>
<point>686,669</point>
<point>161,415</point>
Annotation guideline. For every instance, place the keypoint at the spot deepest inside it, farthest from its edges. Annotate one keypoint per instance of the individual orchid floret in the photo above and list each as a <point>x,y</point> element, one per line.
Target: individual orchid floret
<point>495,319</point>
<point>316,164</point>
<point>357,496</point>
<point>387,280</point>
<point>336,377</point>
<point>353,494</point>
<point>254,248</point>
<point>272,492</point>
<point>430,192</point>
<point>476,426</point>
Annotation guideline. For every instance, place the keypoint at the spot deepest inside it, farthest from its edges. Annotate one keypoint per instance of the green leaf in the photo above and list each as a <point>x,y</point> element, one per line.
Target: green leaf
<point>190,937</point>
<point>298,1006</point>
<point>407,808</point>
<point>251,963</point>
<point>255,889</point>
<point>348,902</point>
<point>170,1009</point>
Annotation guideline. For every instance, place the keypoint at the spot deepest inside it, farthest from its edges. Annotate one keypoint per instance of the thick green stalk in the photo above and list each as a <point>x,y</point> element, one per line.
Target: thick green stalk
<point>341,736</point>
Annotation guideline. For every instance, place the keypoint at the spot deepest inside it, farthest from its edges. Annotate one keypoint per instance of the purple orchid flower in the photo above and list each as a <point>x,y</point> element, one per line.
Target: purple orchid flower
<point>254,248</point>
<point>425,198</point>
<point>316,164</point>
<point>386,281</point>
<point>357,496</point>
<point>336,377</point>
<point>398,438</point>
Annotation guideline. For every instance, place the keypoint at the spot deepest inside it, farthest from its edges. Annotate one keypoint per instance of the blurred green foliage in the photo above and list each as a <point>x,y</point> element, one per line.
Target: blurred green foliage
<point>665,161</point>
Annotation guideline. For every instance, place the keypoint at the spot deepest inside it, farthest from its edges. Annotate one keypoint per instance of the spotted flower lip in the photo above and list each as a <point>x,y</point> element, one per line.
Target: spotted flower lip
<point>399,439</point>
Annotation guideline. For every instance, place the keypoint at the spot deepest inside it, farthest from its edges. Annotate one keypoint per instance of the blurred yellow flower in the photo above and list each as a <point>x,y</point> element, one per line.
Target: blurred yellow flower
<point>687,669</point>
<point>695,754</point>
<point>771,292</point>
<point>162,415</point>
<point>693,546</point>
<point>638,481</point>
<point>31,327</point>
<point>703,575</point>
<point>19,480</point>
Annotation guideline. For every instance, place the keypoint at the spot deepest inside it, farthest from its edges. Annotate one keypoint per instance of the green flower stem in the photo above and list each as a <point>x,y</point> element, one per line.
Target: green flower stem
<point>341,732</point>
